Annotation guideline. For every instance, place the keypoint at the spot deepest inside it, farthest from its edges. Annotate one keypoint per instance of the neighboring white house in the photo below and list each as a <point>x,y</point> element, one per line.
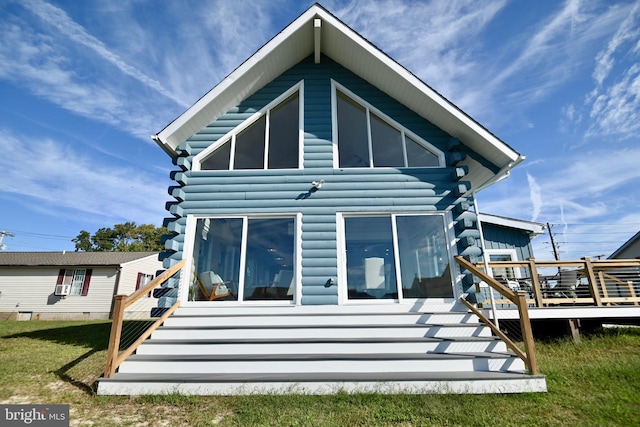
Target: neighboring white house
<point>71,285</point>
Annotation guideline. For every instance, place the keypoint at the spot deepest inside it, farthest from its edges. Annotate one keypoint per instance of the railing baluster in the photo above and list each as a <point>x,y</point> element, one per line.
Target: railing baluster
<point>520,300</point>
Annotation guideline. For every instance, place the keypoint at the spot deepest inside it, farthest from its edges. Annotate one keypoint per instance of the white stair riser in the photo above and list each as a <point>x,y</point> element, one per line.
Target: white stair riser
<point>316,366</point>
<point>326,320</point>
<point>249,309</point>
<point>321,348</point>
<point>324,333</point>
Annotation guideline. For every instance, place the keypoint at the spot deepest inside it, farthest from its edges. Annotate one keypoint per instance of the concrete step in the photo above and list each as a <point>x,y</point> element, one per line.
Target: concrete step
<point>323,383</point>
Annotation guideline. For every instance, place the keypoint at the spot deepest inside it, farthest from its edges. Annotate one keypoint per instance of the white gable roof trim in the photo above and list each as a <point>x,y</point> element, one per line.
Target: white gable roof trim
<point>339,42</point>
<point>531,227</point>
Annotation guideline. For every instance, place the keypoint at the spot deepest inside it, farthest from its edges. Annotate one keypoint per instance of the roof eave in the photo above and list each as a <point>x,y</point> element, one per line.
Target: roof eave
<point>351,50</point>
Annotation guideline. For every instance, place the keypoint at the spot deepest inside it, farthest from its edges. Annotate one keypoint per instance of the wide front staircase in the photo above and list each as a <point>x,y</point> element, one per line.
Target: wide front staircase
<point>322,350</point>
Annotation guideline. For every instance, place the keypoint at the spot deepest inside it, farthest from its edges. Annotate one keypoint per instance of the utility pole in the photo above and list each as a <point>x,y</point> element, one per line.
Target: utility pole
<point>553,243</point>
<point>2,234</point>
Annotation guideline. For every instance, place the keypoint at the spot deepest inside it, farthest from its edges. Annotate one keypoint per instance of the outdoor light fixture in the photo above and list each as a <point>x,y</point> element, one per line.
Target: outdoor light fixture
<point>317,184</point>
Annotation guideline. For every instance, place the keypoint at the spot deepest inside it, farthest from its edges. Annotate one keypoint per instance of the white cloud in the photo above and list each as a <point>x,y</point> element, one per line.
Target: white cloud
<point>432,39</point>
<point>58,178</point>
<point>536,197</point>
<point>616,109</point>
<point>59,19</point>
<point>628,31</point>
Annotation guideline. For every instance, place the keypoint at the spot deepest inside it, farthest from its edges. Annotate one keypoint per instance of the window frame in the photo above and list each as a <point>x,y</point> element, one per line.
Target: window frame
<point>513,254</point>
<point>143,280</point>
<point>265,111</point>
<point>86,280</point>
<point>370,109</point>
<point>190,240</point>
<point>342,257</point>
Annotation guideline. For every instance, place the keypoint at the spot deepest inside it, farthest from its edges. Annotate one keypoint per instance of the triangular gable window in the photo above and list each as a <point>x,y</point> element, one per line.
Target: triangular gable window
<point>367,138</point>
<point>269,141</point>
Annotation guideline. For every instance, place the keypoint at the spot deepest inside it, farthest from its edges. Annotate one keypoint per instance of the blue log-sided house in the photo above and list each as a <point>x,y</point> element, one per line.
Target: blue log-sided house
<point>321,181</point>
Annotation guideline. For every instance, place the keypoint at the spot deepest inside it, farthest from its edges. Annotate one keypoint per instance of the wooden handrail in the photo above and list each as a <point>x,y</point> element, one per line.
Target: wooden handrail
<point>520,300</point>
<point>504,290</point>
<point>154,283</point>
<point>121,302</point>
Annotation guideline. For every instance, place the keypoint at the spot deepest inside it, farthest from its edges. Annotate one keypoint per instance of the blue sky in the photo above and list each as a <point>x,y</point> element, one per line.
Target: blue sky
<point>83,85</point>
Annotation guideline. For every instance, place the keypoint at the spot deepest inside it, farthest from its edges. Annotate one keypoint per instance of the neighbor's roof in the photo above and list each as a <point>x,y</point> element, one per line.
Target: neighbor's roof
<point>318,31</point>
<point>626,245</point>
<point>69,259</point>
<point>531,227</point>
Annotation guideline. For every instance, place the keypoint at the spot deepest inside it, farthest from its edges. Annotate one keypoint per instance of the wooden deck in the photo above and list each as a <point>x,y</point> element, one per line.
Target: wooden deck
<point>607,290</point>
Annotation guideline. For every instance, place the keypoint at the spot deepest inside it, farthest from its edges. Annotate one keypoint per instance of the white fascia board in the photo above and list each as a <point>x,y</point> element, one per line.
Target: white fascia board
<point>519,224</point>
<point>133,261</point>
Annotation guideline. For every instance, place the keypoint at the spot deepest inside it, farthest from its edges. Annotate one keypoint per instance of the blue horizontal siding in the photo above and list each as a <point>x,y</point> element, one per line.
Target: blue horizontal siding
<point>245,192</point>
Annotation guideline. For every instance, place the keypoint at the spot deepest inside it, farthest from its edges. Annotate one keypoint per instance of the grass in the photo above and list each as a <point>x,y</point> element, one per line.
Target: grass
<point>593,383</point>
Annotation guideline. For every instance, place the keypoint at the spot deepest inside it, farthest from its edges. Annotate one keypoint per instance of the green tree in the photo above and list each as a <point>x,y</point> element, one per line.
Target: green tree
<point>127,237</point>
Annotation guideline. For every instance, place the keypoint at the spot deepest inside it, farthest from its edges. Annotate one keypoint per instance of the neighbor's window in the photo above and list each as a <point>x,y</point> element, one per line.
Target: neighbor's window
<point>385,251</point>
<point>253,257</point>
<point>270,142</point>
<point>143,280</point>
<point>367,139</point>
<point>78,279</point>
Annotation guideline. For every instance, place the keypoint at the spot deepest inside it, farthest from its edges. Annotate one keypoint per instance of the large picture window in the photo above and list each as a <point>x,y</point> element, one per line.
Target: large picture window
<point>367,138</point>
<point>244,259</point>
<point>396,256</point>
<point>270,141</point>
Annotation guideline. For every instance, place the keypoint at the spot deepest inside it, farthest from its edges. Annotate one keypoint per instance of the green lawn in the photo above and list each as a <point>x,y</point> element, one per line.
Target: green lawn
<point>593,383</point>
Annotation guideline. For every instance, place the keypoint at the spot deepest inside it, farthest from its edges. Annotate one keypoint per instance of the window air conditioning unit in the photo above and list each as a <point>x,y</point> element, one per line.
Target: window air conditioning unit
<point>62,290</point>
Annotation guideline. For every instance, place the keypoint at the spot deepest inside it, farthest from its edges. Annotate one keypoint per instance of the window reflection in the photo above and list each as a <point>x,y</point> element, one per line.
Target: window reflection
<point>424,259</point>
<point>269,259</point>
<point>370,259</point>
<point>422,252</point>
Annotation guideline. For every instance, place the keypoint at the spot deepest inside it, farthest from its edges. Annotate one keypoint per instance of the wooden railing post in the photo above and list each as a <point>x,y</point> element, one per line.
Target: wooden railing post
<point>593,284</point>
<point>114,338</point>
<point>527,333</point>
<point>535,283</point>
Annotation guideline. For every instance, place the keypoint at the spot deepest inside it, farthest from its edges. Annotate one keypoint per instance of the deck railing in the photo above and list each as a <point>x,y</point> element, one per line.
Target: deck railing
<point>116,355</point>
<point>583,282</point>
<point>519,299</point>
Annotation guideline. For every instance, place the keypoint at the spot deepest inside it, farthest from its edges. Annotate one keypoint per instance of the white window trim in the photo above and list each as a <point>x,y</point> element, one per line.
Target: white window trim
<point>343,297</point>
<point>189,243</point>
<point>335,86</point>
<point>507,251</point>
<point>264,111</point>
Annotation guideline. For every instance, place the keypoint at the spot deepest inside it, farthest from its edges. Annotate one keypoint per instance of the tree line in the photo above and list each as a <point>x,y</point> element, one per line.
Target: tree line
<point>127,237</point>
